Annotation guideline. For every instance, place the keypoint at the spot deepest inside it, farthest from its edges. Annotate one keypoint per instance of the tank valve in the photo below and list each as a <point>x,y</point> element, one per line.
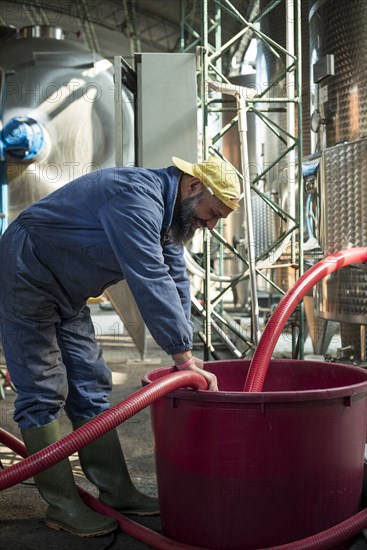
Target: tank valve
<point>22,137</point>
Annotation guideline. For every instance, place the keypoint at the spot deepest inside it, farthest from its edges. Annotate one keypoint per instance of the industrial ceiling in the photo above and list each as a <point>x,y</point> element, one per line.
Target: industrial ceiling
<point>124,27</point>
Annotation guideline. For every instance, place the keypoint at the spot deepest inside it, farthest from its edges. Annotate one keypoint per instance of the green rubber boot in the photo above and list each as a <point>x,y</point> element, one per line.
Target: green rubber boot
<point>104,465</point>
<point>56,485</point>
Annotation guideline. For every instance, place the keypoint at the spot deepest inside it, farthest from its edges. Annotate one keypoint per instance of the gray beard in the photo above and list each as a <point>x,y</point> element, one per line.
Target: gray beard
<point>182,228</point>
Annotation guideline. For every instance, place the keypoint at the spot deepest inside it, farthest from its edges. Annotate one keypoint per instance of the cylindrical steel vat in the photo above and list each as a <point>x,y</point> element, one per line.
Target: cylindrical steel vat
<point>69,91</point>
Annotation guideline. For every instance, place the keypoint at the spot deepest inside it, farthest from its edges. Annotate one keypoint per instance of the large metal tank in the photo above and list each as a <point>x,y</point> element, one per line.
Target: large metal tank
<point>338,41</point>
<point>68,91</point>
<point>339,105</point>
<point>278,181</point>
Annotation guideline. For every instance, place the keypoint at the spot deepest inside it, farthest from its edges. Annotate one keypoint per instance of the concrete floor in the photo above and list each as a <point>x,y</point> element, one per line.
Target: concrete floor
<point>22,510</point>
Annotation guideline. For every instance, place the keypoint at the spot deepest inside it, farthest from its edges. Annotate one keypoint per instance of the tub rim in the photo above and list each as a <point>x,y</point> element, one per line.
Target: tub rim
<point>324,394</point>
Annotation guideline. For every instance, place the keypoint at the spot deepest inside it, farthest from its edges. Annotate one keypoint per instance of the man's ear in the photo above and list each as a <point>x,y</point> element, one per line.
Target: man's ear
<point>194,186</point>
<point>189,186</point>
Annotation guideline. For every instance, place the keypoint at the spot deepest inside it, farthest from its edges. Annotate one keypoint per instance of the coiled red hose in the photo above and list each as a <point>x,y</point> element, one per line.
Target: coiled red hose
<point>260,361</point>
<point>98,426</point>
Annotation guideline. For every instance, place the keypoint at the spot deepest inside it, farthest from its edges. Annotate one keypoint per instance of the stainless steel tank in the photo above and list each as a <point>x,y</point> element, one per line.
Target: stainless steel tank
<point>342,296</point>
<point>69,91</point>
<point>338,29</point>
<point>276,183</point>
<point>339,104</point>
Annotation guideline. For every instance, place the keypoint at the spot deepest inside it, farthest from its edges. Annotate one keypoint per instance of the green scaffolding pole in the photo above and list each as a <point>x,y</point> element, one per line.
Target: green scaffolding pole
<point>207,40</point>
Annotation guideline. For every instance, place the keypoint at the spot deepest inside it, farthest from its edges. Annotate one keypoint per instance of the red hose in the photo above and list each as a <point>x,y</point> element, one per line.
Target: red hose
<point>127,525</point>
<point>260,361</point>
<point>98,426</point>
<point>12,443</point>
<point>327,539</point>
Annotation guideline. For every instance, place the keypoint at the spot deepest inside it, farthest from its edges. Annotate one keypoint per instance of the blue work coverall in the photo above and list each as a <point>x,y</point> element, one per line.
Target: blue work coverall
<point>98,229</point>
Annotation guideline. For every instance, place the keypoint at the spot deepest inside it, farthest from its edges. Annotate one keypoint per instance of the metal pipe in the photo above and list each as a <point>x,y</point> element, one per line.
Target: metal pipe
<point>241,93</point>
<point>207,285</point>
<point>300,174</point>
<point>119,153</point>
<point>362,331</point>
<point>291,129</point>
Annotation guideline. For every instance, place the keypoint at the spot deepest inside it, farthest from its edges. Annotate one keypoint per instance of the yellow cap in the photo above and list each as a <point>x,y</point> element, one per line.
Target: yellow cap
<point>218,176</point>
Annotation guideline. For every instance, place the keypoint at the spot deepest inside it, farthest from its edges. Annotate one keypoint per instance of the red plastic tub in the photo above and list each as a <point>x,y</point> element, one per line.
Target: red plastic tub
<point>239,471</point>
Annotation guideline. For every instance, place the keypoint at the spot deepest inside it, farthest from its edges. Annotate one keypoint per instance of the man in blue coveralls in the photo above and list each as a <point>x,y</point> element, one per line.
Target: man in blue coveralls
<point>113,224</point>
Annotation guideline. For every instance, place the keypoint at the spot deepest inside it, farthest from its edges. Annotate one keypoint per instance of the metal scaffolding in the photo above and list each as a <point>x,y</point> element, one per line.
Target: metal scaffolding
<point>215,50</point>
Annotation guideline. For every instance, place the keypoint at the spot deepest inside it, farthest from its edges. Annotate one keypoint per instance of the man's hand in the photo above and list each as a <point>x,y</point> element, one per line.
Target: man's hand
<point>196,365</point>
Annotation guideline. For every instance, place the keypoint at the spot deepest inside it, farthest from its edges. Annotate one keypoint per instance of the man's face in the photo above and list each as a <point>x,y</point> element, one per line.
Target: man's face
<point>200,210</point>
